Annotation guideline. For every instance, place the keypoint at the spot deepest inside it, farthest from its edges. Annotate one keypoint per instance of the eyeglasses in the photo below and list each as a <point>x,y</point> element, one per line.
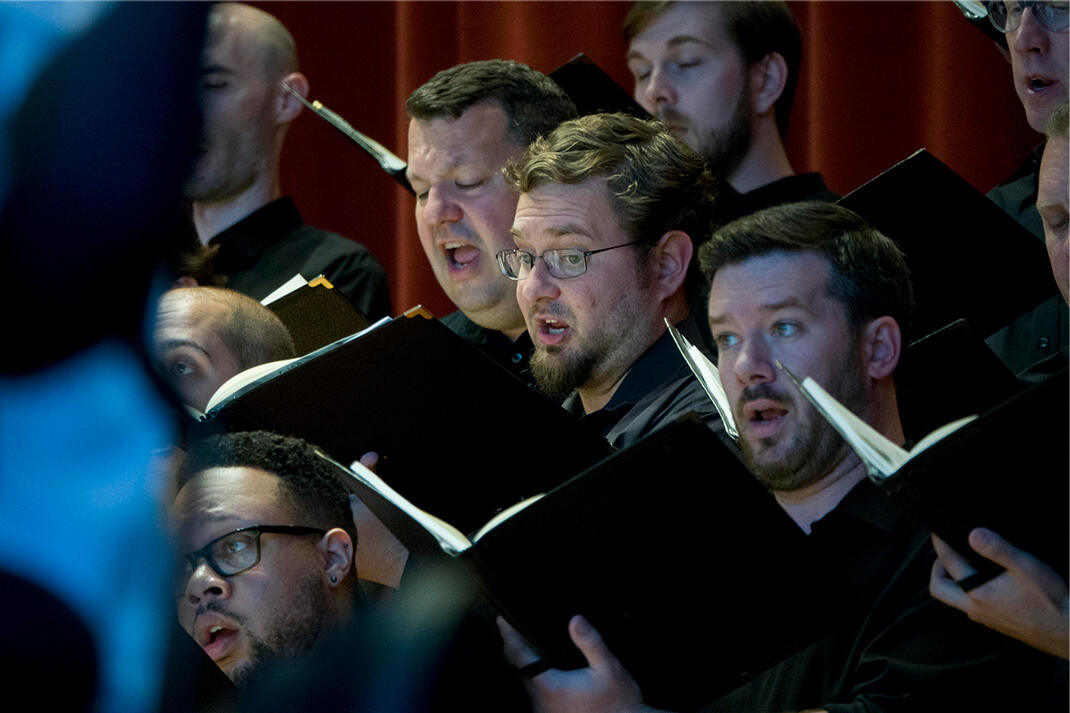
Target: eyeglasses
<point>563,263</point>
<point>1007,17</point>
<point>236,551</point>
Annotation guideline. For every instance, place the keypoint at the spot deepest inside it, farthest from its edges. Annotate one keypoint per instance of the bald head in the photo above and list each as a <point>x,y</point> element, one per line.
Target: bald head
<point>205,335</point>
<point>267,41</point>
<point>248,58</point>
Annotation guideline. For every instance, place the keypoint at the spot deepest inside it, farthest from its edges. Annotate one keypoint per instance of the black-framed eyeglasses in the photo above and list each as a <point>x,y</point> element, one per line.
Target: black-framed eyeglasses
<point>562,263</point>
<point>237,550</point>
<point>1007,17</point>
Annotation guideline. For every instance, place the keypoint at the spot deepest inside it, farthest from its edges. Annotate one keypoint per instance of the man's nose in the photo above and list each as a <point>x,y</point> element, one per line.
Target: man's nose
<point>1031,36</point>
<point>205,583</point>
<point>440,206</point>
<point>538,285</point>
<point>754,363</point>
<point>660,89</point>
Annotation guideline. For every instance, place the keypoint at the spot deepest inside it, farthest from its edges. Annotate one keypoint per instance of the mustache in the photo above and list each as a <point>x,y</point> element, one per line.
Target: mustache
<point>456,230</point>
<point>764,390</point>
<point>668,115</point>
<point>551,309</point>
<point>214,606</point>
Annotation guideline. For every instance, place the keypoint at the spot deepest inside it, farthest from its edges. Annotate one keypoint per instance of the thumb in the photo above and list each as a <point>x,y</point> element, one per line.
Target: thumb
<point>990,545</point>
<point>369,460</point>
<point>591,644</point>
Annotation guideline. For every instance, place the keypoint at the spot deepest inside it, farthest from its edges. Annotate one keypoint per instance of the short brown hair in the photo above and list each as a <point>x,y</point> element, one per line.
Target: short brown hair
<point>533,103</point>
<point>868,272</point>
<point>656,183</point>
<point>755,28</point>
<point>248,329</point>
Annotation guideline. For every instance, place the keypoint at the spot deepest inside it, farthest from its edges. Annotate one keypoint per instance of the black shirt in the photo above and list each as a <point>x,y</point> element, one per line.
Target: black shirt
<point>900,650</point>
<point>658,389</point>
<point>790,189</point>
<point>271,245</point>
<point>512,355</point>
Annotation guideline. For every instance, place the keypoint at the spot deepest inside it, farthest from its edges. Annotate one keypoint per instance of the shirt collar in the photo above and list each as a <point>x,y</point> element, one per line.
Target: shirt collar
<point>660,364</point>
<point>249,236</point>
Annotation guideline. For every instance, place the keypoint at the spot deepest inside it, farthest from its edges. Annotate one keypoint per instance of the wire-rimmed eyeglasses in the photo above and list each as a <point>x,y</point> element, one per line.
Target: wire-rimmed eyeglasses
<point>562,263</point>
<point>1007,16</point>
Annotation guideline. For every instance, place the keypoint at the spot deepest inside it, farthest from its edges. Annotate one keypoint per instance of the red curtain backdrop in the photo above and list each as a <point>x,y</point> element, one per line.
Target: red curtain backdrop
<point>879,80</point>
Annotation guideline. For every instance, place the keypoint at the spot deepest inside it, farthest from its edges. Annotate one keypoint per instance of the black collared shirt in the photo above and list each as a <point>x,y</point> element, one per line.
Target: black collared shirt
<point>790,189</point>
<point>271,245</point>
<point>658,389</point>
<point>512,355</point>
<point>901,650</point>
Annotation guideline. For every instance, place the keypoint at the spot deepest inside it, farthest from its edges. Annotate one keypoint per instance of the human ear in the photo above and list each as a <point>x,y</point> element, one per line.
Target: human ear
<point>672,256</point>
<point>768,78</point>
<point>287,105</point>
<point>336,546</point>
<point>881,347</point>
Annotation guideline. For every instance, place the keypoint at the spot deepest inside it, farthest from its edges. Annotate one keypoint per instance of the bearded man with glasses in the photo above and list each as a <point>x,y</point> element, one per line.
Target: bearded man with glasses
<point>267,541</point>
<point>610,210</point>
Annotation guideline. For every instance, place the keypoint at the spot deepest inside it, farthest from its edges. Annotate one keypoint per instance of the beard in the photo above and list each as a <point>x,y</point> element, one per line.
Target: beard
<point>815,448</point>
<point>557,374</point>
<point>294,634</point>
<point>605,354</point>
<point>723,147</point>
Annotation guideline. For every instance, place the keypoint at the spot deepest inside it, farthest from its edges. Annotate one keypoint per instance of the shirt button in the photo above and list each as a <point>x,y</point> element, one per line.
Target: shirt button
<point>1043,343</point>
<point>517,358</point>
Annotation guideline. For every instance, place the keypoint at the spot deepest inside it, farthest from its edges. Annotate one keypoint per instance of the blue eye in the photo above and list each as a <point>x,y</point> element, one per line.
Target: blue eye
<point>180,368</point>
<point>785,329</point>
<point>725,341</point>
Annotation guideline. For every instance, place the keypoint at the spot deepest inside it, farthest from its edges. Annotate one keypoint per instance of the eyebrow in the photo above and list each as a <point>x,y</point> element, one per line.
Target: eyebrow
<point>788,303</point>
<point>215,69</point>
<point>674,42</point>
<point>557,231</point>
<point>175,343</point>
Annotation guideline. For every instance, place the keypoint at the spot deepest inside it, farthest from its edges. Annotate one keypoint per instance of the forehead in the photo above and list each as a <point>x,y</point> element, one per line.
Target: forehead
<point>181,315</point>
<point>218,500</point>
<point>682,23</point>
<point>477,136</point>
<point>556,209</point>
<point>757,284</point>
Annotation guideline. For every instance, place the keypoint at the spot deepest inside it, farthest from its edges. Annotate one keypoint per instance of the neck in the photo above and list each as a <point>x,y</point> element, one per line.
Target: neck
<point>595,397</point>
<point>766,160</point>
<point>211,218</point>
<point>808,505</point>
<point>515,332</point>
<point>598,390</point>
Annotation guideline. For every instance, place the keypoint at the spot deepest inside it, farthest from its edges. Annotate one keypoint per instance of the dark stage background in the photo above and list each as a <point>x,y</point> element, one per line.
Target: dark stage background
<point>879,80</point>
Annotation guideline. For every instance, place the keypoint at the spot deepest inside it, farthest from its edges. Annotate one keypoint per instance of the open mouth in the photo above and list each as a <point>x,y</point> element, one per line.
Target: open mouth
<point>460,256</point>
<point>763,417</point>
<point>769,414</point>
<point>218,641</point>
<point>1037,83</point>
<point>551,331</point>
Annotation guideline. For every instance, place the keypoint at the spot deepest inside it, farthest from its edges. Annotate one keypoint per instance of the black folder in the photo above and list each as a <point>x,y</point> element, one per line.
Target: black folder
<point>949,374</point>
<point>968,259</point>
<point>592,90</point>
<point>316,314</point>
<point>1008,471</point>
<point>688,567</point>
<point>439,412</point>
